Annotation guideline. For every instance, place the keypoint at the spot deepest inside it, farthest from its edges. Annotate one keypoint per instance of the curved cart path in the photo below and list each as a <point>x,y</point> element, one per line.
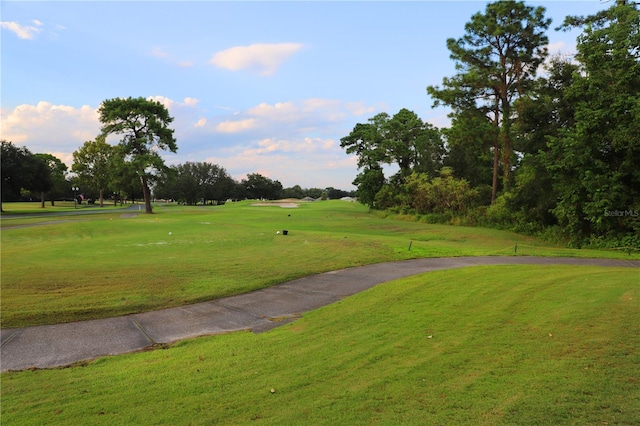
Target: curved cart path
<point>63,344</point>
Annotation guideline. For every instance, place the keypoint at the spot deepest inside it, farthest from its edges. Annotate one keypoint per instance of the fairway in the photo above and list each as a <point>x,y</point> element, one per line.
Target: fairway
<point>482,345</point>
<point>478,345</point>
<point>81,267</point>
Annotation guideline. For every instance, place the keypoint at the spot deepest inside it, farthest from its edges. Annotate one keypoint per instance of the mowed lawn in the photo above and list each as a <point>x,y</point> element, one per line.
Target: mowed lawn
<point>68,268</point>
<point>495,345</point>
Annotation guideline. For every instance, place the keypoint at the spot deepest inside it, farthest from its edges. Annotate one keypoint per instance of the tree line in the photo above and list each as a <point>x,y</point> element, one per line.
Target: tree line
<point>133,168</point>
<point>556,155</point>
<point>102,174</point>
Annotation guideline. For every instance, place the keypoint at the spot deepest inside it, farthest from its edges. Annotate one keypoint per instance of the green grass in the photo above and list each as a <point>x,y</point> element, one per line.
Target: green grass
<point>500,345</point>
<point>82,267</point>
<point>35,207</point>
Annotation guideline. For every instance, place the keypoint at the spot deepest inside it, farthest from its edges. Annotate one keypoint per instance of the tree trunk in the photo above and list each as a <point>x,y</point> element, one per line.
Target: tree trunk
<point>147,195</point>
<point>496,151</point>
<point>506,144</point>
<point>42,200</point>
<point>101,199</point>
<point>496,165</point>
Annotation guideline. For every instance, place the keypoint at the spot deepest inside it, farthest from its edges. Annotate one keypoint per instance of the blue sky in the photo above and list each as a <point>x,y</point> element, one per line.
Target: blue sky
<point>255,87</point>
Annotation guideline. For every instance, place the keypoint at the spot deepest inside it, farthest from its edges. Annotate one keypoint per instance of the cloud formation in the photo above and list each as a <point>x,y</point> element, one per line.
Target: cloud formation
<point>25,32</point>
<point>296,142</point>
<point>160,53</point>
<point>49,128</point>
<point>265,59</point>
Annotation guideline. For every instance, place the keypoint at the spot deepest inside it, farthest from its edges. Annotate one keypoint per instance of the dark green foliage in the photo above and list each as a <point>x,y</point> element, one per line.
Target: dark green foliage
<point>403,140</point>
<point>50,177</point>
<point>261,187</point>
<point>23,171</point>
<point>14,177</point>
<point>497,59</point>
<point>594,163</point>
<point>194,183</point>
<point>144,127</point>
<point>95,165</point>
<point>421,195</point>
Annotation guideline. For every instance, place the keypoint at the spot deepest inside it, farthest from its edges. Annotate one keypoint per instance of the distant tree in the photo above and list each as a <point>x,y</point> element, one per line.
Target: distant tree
<point>144,126</point>
<point>366,142</point>
<point>124,178</point>
<point>497,59</point>
<point>51,180</point>
<point>294,192</point>
<point>14,177</point>
<point>195,182</point>
<point>335,194</point>
<point>258,186</point>
<point>369,182</point>
<point>403,140</point>
<point>413,145</point>
<point>93,163</point>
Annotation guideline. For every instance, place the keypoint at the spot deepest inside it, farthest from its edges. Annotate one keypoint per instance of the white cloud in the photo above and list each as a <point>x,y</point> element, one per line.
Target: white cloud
<point>171,104</point>
<point>295,142</point>
<point>191,101</point>
<point>236,126</point>
<point>277,111</point>
<point>159,53</point>
<point>265,59</point>
<point>304,145</point>
<point>309,115</point>
<point>48,128</point>
<point>561,48</point>
<point>25,32</point>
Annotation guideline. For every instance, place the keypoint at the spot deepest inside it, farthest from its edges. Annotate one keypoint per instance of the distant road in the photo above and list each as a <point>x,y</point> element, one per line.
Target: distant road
<point>82,211</point>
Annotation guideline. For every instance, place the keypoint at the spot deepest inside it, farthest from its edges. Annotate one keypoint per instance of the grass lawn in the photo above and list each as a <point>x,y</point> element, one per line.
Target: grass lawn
<point>499,345</point>
<point>80,267</point>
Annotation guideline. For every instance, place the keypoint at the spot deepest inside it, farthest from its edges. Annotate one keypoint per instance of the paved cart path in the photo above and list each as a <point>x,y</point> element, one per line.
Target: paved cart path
<point>63,344</point>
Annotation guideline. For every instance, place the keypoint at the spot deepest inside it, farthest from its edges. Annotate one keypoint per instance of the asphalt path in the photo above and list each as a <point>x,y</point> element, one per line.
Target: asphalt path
<point>82,211</point>
<point>66,344</point>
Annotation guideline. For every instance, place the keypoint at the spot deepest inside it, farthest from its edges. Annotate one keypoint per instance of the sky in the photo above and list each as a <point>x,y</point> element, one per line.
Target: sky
<point>255,87</point>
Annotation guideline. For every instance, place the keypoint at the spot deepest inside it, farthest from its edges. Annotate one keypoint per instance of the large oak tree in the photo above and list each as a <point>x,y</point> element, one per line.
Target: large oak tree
<point>144,127</point>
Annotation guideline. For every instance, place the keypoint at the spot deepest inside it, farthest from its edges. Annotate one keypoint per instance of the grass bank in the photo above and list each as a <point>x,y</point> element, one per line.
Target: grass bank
<point>80,267</point>
<point>485,345</point>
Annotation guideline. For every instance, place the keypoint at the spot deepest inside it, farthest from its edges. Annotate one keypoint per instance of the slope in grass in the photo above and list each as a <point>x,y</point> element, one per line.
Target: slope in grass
<point>96,266</point>
<point>483,345</point>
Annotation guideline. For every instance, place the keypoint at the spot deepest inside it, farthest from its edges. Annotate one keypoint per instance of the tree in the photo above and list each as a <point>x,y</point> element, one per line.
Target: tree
<point>366,142</point>
<point>144,126</point>
<point>261,187</point>
<point>594,163</point>
<point>295,191</point>
<point>543,113</point>
<point>51,177</point>
<point>404,140</point>
<point>497,59</point>
<point>413,145</point>
<point>195,182</point>
<point>93,163</point>
<point>22,170</point>
<point>14,177</point>
<point>469,141</point>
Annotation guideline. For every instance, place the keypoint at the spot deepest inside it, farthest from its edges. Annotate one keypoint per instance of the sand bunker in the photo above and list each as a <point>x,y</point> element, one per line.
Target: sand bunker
<point>277,204</point>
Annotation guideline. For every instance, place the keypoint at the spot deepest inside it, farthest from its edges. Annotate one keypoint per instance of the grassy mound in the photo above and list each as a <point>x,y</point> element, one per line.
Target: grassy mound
<point>483,345</point>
